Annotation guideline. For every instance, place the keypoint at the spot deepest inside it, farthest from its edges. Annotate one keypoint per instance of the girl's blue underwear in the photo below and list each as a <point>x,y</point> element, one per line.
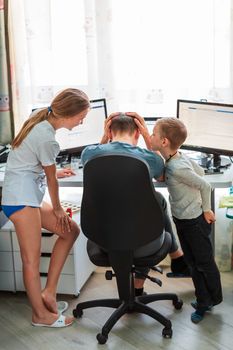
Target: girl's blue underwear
<point>8,210</point>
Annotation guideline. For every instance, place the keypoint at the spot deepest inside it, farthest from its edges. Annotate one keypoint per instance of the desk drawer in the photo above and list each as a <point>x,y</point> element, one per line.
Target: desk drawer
<point>47,242</point>
<point>68,268</point>
<point>5,241</point>
<point>66,284</point>
<point>7,281</point>
<point>6,261</point>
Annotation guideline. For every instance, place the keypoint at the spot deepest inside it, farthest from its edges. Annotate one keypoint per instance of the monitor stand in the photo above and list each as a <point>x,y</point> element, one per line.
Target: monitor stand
<point>215,163</point>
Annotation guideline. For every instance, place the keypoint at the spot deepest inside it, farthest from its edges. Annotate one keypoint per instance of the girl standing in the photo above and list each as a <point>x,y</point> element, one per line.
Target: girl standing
<point>32,158</point>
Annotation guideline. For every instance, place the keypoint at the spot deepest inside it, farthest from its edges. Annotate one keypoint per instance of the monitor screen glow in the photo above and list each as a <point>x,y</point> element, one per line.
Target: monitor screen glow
<point>209,125</point>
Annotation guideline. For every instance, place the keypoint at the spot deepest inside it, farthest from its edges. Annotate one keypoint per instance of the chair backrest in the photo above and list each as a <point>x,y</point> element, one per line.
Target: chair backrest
<point>119,209</point>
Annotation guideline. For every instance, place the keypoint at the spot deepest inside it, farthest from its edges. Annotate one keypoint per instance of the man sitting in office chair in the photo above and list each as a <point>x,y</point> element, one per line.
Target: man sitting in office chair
<point>124,133</point>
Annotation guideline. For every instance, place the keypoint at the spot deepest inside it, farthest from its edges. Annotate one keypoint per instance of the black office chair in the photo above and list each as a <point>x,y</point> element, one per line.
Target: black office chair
<point>119,214</point>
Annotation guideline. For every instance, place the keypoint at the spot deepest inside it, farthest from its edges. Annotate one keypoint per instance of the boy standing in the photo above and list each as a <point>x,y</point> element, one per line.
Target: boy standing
<point>191,209</point>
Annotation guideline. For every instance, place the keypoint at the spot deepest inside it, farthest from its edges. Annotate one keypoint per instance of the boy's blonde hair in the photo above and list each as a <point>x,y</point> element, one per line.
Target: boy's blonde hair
<point>66,104</point>
<point>174,130</point>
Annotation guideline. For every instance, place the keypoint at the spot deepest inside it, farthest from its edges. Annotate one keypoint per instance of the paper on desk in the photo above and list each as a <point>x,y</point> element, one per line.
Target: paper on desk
<point>226,202</point>
<point>73,206</point>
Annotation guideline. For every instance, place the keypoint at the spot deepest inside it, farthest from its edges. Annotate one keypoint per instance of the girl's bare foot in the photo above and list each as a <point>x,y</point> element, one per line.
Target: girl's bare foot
<point>49,301</point>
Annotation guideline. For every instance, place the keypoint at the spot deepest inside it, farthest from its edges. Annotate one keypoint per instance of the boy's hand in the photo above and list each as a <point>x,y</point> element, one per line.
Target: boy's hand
<point>107,123</point>
<point>141,124</point>
<point>209,216</point>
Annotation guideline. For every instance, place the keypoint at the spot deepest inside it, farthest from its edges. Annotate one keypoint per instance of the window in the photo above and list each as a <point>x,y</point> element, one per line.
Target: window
<point>56,45</point>
<point>165,50</point>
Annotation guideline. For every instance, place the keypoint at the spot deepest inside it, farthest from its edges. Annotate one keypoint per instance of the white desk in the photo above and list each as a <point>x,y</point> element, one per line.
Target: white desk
<point>216,181</point>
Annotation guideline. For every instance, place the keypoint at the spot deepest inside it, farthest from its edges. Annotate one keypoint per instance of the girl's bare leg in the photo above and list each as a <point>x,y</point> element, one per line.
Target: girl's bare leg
<point>60,252</point>
<point>27,224</point>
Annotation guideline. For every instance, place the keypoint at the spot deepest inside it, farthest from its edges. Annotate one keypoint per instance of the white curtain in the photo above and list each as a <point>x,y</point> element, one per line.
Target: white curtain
<point>48,51</point>
<point>166,50</point>
<point>140,55</point>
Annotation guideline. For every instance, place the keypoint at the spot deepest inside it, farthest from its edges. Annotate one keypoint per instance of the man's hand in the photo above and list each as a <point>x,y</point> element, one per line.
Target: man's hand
<point>209,216</point>
<point>141,124</point>
<point>107,123</point>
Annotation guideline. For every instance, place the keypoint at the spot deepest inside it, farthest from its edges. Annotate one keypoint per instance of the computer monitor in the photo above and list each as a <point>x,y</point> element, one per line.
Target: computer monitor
<point>210,128</point>
<point>89,133</point>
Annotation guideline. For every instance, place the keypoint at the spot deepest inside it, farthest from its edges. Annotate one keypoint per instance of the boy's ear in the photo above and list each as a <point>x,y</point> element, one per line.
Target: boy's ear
<point>165,142</point>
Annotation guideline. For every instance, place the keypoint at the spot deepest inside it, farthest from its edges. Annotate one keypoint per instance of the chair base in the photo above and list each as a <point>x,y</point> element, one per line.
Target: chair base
<point>137,304</point>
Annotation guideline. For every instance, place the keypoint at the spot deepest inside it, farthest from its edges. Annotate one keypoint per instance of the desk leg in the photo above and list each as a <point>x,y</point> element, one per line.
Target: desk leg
<point>212,236</point>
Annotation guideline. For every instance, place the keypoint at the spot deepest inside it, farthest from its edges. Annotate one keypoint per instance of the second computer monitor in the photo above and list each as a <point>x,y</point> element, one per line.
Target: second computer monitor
<point>209,125</point>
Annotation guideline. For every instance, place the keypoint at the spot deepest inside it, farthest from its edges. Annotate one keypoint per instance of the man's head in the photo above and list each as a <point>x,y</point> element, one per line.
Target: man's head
<point>123,126</point>
<point>168,133</point>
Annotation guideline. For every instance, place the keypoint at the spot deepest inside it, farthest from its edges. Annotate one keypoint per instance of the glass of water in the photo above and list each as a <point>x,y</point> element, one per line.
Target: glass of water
<point>74,163</point>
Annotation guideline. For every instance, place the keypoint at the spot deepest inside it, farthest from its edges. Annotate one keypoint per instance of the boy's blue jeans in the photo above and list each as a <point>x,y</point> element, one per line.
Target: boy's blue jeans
<point>194,236</point>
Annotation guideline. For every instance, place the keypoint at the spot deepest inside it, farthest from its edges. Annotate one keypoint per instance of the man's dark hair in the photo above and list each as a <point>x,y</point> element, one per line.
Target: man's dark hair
<point>122,124</point>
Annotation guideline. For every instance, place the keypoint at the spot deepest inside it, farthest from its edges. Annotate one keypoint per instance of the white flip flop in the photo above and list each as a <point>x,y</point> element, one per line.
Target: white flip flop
<point>59,323</point>
<point>62,306</point>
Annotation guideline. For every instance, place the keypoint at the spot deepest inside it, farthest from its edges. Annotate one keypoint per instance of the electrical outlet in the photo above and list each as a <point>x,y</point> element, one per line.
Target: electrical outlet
<point>44,94</point>
<point>4,103</point>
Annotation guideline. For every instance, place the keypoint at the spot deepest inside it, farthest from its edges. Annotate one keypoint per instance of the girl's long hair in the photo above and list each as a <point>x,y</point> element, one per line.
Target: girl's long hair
<point>66,104</point>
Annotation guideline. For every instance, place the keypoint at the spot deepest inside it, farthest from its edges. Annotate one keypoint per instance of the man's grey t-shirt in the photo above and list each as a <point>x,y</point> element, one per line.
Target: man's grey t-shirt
<point>24,181</point>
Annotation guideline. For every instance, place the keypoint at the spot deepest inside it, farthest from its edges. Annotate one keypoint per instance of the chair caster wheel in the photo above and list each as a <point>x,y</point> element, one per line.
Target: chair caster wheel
<point>101,338</point>
<point>77,313</point>
<point>178,304</point>
<point>167,333</point>
<point>109,275</point>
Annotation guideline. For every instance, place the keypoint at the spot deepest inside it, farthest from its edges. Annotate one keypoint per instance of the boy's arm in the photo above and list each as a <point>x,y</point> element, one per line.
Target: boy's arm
<point>140,122</point>
<point>188,177</point>
<point>197,168</point>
